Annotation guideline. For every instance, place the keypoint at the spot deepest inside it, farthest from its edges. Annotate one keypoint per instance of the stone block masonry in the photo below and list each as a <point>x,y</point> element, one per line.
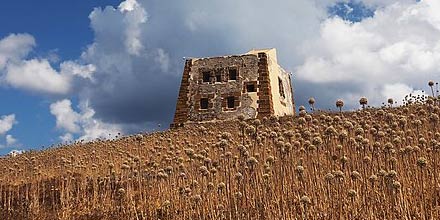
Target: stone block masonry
<point>223,88</point>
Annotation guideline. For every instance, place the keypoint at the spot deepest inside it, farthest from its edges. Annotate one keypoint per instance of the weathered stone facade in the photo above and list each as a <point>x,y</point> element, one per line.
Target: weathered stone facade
<point>221,88</point>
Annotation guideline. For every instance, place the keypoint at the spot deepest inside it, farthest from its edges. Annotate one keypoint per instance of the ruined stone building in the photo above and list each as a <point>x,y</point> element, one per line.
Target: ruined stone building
<point>221,88</point>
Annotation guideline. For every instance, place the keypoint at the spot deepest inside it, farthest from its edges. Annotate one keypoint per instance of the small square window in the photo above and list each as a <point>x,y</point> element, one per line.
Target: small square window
<point>250,88</point>
<point>204,103</point>
<point>206,76</point>
<point>233,74</point>
<point>218,77</point>
<point>231,101</point>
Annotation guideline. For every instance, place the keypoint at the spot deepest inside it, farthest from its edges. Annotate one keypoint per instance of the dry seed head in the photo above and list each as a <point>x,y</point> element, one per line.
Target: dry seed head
<point>252,161</point>
<point>382,173</point>
<point>317,141</point>
<point>305,200</point>
<point>372,178</point>
<point>421,162</point>
<point>210,186</point>
<point>329,177</point>
<point>390,101</point>
<point>355,175</point>
<point>339,174</point>
<point>367,159</point>
<point>270,160</point>
<point>363,101</point>
<point>352,193</point>
<point>339,103</point>
<point>396,185</point>
<point>228,154</point>
<point>238,176</point>
<point>392,174</point>
<point>166,204</point>
<point>221,186</point>
<point>238,195</point>
<point>299,170</point>
<point>339,147</point>
<point>344,159</point>
<point>182,175</point>
<point>196,198</point>
<point>121,191</point>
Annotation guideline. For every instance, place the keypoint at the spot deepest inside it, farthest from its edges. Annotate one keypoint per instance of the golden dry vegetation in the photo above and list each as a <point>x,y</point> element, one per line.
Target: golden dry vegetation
<point>370,164</point>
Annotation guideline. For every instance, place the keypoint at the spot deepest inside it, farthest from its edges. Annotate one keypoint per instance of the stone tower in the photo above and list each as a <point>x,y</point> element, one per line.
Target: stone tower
<point>222,88</point>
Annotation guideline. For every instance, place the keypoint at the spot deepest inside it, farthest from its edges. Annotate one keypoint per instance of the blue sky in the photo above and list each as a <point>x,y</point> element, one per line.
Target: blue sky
<point>87,69</point>
<point>351,11</point>
<point>61,28</point>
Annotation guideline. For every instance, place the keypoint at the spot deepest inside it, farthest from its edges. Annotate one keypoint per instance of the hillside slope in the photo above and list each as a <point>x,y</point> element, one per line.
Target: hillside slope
<point>369,164</point>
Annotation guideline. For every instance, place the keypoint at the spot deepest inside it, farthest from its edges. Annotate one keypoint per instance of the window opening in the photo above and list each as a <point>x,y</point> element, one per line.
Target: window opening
<point>231,101</point>
<point>281,88</point>
<point>218,77</point>
<point>233,74</point>
<point>206,76</point>
<point>204,103</point>
<point>250,87</point>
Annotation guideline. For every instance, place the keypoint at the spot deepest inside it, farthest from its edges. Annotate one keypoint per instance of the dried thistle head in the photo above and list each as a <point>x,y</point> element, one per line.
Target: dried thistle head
<point>196,198</point>
<point>372,178</point>
<point>221,186</point>
<point>352,193</point>
<point>396,185</point>
<point>391,174</point>
<point>339,103</point>
<point>421,162</point>
<point>329,177</point>
<point>311,101</point>
<point>390,101</point>
<point>338,174</point>
<point>305,200</point>
<point>355,175</point>
<point>363,101</point>
<point>299,170</point>
<point>252,161</point>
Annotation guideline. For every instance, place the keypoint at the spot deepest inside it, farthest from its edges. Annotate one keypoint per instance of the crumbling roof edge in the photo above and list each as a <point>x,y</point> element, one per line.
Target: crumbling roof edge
<point>251,52</point>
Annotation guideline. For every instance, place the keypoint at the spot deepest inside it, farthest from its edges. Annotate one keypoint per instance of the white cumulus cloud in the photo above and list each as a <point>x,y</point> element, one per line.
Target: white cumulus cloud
<point>10,140</point>
<point>66,118</point>
<point>6,123</point>
<point>37,75</point>
<point>81,123</point>
<point>395,52</point>
<point>15,47</point>
<point>71,68</point>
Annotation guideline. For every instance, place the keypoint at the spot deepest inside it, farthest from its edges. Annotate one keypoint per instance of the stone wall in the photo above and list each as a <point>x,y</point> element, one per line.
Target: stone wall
<point>182,106</point>
<point>246,67</point>
<point>265,107</point>
<point>208,92</point>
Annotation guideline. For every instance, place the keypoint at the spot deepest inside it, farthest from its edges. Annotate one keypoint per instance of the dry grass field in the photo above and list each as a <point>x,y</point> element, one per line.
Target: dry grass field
<point>380,163</point>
